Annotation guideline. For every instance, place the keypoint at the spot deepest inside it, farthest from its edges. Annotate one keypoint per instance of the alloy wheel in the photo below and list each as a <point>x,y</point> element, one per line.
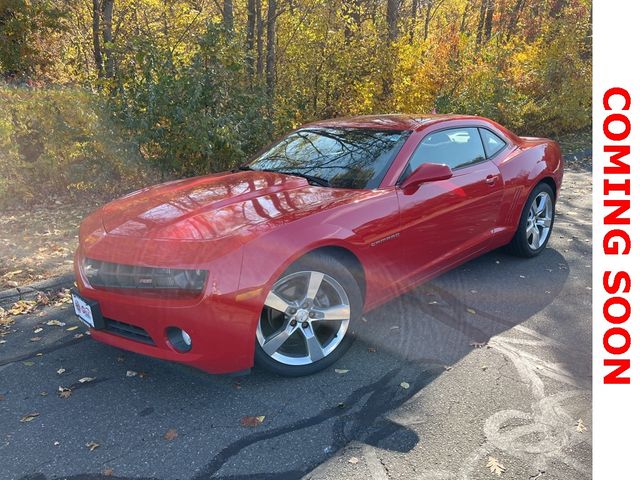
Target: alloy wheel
<point>305,317</point>
<point>539,220</point>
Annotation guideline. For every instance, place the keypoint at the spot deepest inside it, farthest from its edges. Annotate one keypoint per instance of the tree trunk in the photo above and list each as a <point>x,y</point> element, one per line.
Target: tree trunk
<point>414,17</point>
<point>488,19</point>
<point>259,40</point>
<point>515,16</point>
<point>227,15</point>
<point>465,15</point>
<point>97,49</point>
<point>392,35</point>
<point>251,28</point>
<point>271,48</point>
<point>392,20</point>
<point>427,18</point>
<point>351,9</point>
<point>480,30</point>
<point>107,37</point>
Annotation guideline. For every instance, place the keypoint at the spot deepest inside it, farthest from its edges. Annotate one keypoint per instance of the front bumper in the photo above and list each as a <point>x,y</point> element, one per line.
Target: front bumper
<point>222,327</point>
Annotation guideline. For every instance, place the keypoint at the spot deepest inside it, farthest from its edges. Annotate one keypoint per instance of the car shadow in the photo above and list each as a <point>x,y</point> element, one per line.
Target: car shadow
<point>410,341</point>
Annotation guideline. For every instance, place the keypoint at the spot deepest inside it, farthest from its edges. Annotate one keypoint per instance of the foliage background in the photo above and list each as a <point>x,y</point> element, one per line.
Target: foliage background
<point>103,96</point>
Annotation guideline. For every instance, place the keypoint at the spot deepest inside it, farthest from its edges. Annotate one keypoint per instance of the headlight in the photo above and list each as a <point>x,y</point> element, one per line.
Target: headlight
<point>115,275</point>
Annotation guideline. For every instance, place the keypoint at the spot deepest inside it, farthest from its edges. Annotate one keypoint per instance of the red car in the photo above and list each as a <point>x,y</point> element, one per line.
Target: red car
<point>272,263</point>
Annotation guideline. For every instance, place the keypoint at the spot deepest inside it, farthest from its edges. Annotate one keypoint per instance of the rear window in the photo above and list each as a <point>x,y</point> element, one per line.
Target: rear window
<point>492,142</point>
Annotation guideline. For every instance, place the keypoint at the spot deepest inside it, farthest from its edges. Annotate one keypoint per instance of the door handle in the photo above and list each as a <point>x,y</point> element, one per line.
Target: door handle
<point>491,179</point>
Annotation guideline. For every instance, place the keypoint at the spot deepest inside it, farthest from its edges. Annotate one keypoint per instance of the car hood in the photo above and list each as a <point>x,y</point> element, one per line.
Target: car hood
<point>216,206</point>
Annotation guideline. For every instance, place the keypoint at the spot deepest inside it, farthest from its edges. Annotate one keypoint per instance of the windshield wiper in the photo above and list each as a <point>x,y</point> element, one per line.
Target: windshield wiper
<point>242,168</point>
<point>310,178</point>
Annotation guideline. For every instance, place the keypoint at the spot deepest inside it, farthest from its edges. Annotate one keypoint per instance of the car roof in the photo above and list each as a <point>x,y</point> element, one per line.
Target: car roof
<point>394,121</point>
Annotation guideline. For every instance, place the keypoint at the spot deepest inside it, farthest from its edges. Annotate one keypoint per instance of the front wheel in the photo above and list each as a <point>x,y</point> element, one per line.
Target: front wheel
<point>536,223</point>
<point>304,324</point>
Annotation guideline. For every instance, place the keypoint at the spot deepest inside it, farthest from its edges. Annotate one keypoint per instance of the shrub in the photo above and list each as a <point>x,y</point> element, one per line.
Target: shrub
<point>62,142</point>
<point>192,115</point>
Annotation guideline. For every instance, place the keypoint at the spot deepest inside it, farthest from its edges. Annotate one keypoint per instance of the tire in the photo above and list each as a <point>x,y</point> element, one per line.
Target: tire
<point>523,244</point>
<point>298,354</point>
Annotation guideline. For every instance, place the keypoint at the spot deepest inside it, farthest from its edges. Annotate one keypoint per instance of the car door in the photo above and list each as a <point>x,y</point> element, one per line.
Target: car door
<point>447,221</point>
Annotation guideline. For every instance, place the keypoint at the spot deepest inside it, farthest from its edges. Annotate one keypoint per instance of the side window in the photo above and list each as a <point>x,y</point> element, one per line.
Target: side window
<point>456,147</point>
<point>492,143</point>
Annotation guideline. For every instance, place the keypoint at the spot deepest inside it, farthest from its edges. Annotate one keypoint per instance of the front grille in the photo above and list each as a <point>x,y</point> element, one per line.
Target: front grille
<point>128,331</point>
<point>116,275</point>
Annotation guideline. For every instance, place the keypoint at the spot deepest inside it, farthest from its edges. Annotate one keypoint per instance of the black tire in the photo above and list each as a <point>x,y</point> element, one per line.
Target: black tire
<point>327,265</point>
<point>519,245</point>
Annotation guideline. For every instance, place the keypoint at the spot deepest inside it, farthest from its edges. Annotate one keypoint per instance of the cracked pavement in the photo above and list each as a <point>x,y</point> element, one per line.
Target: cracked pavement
<point>497,355</point>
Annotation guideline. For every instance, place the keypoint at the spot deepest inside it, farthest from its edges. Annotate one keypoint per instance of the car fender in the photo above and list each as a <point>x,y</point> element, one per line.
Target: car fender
<point>265,259</point>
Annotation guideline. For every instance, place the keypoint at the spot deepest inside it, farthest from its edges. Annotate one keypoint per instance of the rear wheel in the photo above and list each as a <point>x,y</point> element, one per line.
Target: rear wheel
<point>536,223</point>
<point>304,324</point>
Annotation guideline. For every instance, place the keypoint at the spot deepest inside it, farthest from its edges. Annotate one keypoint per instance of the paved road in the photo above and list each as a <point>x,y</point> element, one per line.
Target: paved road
<point>496,355</point>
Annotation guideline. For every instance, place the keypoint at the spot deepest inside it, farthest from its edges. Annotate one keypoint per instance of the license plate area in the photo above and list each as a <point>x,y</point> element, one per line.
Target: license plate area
<point>88,311</point>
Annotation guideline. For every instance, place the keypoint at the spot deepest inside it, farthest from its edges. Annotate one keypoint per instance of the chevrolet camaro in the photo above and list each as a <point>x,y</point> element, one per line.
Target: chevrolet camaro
<point>272,263</point>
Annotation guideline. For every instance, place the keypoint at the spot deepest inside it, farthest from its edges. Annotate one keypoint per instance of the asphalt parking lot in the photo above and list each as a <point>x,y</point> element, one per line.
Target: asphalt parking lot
<point>487,367</point>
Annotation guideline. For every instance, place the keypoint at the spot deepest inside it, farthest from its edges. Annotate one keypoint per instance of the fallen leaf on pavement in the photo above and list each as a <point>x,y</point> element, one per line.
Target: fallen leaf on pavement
<point>56,323</point>
<point>170,434</point>
<point>341,370</point>
<point>92,446</point>
<point>29,416</point>
<point>64,392</point>
<point>353,460</point>
<point>252,421</point>
<point>405,385</point>
<point>495,467</point>
<point>22,307</point>
<point>580,426</point>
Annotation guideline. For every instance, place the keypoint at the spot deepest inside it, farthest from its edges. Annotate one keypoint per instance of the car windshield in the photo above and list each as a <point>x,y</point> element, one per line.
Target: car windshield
<point>338,157</point>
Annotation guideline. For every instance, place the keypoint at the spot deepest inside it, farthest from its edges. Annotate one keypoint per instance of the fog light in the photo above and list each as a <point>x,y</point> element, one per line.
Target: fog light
<point>179,339</point>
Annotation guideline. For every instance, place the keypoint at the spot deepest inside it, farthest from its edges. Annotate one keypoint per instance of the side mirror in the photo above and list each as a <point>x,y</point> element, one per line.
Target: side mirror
<point>427,172</point>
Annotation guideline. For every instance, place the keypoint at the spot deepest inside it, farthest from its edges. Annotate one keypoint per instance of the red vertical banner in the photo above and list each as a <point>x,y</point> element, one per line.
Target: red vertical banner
<point>616,229</point>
